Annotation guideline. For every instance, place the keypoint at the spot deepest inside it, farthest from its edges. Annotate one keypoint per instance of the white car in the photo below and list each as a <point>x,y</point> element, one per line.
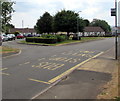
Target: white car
<point>4,37</point>
<point>11,37</point>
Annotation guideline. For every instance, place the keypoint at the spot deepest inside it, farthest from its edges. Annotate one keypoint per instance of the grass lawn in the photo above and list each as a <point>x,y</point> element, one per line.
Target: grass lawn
<point>83,39</point>
<point>5,49</point>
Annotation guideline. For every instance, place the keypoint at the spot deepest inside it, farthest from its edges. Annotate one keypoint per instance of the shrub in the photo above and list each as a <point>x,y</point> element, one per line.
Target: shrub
<point>61,38</point>
<point>49,39</point>
<point>49,36</point>
<point>41,40</point>
<point>30,39</point>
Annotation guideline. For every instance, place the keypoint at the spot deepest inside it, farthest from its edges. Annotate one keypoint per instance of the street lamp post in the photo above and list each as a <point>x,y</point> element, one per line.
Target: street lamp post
<point>78,24</point>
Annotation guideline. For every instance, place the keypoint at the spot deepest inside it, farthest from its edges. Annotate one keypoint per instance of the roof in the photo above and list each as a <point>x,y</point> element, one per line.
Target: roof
<point>22,30</point>
<point>93,29</point>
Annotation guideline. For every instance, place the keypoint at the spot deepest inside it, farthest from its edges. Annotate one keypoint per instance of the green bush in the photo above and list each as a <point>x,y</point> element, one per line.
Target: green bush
<point>49,39</point>
<point>49,36</point>
<point>61,38</point>
<point>41,40</point>
<point>30,39</point>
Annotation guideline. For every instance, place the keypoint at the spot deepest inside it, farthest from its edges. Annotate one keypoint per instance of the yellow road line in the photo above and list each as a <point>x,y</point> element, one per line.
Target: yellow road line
<point>41,59</point>
<point>5,74</point>
<point>39,81</point>
<point>26,63</point>
<point>3,69</point>
<point>33,65</point>
<point>73,68</point>
<point>20,64</point>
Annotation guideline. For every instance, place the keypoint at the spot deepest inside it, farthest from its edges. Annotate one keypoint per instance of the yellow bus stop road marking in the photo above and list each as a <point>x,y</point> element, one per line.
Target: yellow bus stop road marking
<point>3,69</point>
<point>4,73</point>
<point>39,81</point>
<point>26,63</point>
<point>66,72</point>
<point>73,68</point>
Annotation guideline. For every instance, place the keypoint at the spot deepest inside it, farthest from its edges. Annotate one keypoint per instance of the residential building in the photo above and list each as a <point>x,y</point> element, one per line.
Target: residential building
<point>23,31</point>
<point>94,31</point>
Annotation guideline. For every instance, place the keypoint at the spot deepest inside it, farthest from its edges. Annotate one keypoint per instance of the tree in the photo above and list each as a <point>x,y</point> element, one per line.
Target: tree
<point>44,24</point>
<point>7,11</point>
<point>66,21</point>
<point>87,22</point>
<point>101,23</point>
<point>10,25</point>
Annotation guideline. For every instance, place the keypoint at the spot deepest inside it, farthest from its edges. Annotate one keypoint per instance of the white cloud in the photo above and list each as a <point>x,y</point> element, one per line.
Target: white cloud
<point>35,8</point>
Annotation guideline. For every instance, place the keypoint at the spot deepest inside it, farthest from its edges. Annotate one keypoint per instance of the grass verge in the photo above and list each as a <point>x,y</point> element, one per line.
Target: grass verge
<point>5,49</point>
<point>70,41</point>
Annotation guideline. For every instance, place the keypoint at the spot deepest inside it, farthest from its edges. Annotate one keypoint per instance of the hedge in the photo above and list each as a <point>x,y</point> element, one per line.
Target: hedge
<point>41,40</point>
<point>30,39</point>
<point>49,39</point>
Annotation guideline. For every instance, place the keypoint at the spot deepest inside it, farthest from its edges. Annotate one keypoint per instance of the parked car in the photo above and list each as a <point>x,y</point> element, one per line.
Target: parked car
<point>38,35</point>
<point>13,36</point>
<point>4,37</point>
<point>20,36</point>
<point>29,35</point>
<point>0,40</point>
<point>10,37</point>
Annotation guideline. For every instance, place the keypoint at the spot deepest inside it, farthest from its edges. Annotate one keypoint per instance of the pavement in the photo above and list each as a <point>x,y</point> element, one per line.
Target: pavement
<point>87,81</point>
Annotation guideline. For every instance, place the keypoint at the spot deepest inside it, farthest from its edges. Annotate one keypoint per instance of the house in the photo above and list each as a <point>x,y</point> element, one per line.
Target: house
<point>94,31</point>
<point>23,31</point>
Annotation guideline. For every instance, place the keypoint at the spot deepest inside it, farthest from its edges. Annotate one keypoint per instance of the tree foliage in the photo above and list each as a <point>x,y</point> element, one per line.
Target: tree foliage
<point>66,21</point>
<point>7,11</point>
<point>87,22</point>
<point>44,24</point>
<point>101,23</point>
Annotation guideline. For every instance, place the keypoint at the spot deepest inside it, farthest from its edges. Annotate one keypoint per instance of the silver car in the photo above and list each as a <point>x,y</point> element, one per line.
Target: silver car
<point>4,37</point>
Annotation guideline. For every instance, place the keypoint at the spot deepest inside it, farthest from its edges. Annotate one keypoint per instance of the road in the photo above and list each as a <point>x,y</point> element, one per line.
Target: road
<point>38,67</point>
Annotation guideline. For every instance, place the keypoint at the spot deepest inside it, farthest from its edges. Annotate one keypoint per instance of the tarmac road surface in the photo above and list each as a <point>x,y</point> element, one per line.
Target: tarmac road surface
<point>38,67</point>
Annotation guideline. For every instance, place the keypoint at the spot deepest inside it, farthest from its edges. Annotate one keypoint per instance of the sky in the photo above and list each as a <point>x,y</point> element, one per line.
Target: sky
<point>29,11</point>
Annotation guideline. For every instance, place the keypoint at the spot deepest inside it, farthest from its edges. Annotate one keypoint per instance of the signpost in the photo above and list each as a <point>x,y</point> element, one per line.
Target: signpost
<point>114,13</point>
<point>119,29</point>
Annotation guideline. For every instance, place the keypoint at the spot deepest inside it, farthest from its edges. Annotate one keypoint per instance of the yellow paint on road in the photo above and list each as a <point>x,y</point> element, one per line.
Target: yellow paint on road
<point>65,59</point>
<point>41,59</point>
<point>58,67</point>
<point>20,64</point>
<point>4,73</point>
<point>3,69</point>
<point>33,65</point>
<point>48,65</point>
<point>26,63</point>
<point>73,68</point>
<point>38,81</point>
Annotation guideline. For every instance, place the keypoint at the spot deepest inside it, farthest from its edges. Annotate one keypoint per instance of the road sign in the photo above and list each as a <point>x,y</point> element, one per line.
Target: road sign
<point>113,12</point>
